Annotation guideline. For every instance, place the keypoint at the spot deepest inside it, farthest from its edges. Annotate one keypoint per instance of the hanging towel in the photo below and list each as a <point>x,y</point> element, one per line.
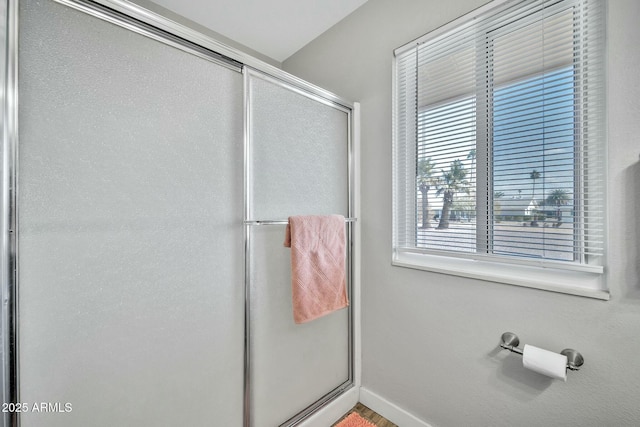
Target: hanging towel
<point>318,277</point>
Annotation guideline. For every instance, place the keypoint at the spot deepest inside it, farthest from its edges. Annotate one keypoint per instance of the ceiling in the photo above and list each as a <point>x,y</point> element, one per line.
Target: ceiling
<point>275,28</point>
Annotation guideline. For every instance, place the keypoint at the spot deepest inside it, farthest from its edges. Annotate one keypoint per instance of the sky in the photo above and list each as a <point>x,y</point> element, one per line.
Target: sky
<point>540,110</point>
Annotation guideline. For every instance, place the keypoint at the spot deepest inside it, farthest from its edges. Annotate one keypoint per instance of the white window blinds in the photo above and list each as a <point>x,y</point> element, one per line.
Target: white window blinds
<point>499,137</point>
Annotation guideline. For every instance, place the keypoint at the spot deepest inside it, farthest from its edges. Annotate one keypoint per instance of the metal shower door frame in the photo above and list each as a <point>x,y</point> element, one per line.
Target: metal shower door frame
<point>9,191</point>
<point>252,222</point>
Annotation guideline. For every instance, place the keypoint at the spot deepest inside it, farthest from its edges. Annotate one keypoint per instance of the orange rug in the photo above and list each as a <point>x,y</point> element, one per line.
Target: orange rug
<point>355,420</point>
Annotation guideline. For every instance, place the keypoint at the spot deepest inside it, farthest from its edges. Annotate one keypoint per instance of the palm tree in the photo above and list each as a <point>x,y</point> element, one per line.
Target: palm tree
<point>534,175</point>
<point>497,206</point>
<point>425,180</point>
<point>451,183</point>
<point>472,156</point>
<point>558,198</point>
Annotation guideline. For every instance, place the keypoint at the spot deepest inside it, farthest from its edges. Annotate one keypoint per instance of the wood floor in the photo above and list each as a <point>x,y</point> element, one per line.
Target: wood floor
<point>368,414</point>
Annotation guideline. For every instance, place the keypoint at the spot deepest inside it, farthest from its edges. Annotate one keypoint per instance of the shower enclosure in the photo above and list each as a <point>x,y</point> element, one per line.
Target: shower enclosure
<point>147,177</point>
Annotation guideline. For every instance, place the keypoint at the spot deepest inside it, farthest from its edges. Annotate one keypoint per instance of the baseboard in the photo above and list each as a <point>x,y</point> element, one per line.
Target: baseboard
<point>389,410</point>
<point>334,410</point>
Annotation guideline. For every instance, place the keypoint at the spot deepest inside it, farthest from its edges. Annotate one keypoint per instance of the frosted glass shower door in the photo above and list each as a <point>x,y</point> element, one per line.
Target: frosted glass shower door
<point>298,164</point>
<point>130,205</point>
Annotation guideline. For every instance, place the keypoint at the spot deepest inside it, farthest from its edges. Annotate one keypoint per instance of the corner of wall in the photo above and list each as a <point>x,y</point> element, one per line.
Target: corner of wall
<point>390,410</point>
<point>153,7</point>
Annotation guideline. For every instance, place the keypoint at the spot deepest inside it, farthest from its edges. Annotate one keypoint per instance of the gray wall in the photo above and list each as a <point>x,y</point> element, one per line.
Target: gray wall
<point>430,340</point>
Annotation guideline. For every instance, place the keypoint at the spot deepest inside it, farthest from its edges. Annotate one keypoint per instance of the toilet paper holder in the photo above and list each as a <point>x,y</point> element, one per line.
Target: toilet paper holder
<point>510,341</point>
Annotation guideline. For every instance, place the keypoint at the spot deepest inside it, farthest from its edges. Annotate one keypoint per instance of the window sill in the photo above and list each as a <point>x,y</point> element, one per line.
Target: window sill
<point>585,284</point>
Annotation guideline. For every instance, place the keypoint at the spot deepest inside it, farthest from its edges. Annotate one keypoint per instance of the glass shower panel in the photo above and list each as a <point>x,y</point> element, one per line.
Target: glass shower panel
<point>298,164</point>
<point>292,365</point>
<point>131,244</point>
<point>299,154</point>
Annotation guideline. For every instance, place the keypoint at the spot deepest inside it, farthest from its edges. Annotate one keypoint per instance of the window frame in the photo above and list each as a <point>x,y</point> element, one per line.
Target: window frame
<point>576,278</point>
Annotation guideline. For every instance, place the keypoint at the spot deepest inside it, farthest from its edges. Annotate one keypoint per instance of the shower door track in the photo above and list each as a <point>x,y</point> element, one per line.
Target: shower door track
<point>155,26</point>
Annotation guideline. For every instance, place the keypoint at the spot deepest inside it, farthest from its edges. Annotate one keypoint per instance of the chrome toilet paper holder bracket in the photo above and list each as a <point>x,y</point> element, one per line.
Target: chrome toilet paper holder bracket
<point>510,341</point>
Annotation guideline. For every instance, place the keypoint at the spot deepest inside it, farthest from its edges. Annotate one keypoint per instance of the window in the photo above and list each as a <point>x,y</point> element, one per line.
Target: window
<point>499,146</point>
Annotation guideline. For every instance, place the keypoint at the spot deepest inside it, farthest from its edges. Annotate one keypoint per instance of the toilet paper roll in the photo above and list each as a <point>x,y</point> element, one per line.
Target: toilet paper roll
<point>546,362</point>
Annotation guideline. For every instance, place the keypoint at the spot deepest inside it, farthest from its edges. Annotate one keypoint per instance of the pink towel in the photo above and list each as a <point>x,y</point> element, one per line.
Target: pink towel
<point>318,278</point>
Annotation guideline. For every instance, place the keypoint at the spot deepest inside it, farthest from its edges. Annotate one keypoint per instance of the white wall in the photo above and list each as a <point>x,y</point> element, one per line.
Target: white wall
<point>430,340</point>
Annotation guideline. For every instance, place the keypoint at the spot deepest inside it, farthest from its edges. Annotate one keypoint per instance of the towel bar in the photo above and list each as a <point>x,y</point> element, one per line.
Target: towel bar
<point>510,341</point>
<point>282,221</point>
